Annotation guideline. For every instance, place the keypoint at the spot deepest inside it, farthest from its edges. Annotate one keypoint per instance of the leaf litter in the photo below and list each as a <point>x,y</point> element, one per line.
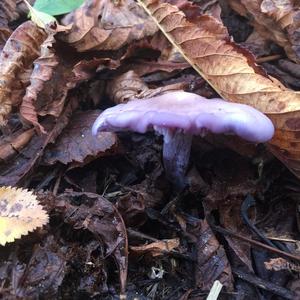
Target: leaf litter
<point>116,226</point>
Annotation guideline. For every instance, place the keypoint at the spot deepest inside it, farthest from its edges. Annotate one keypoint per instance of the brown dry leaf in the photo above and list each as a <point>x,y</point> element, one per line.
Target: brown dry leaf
<point>129,86</point>
<point>157,248</point>
<point>21,49</point>
<point>107,25</point>
<point>43,71</point>
<point>276,20</point>
<point>232,72</point>
<point>20,213</point>
<point>76,144</point>
<point>7,14</point>
<point>86,69</point>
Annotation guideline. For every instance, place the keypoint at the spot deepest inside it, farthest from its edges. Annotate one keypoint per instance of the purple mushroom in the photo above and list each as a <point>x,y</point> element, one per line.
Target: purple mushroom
<point>178,116</point>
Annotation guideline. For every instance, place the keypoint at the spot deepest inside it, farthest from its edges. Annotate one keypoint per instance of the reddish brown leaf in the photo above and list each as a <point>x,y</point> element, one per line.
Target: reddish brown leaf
<point>86,69</point>
<point>107,25</point>
<point>19,52</point>
<point>77,144</point>
<point>157,248</point>
<point>42,73</point>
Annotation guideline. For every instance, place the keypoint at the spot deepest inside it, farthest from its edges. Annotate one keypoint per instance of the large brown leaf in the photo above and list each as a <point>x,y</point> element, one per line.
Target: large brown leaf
<point>21,49</point>
<point>277,20</point>
<point>43,70</point>
<point>231,70</point>
<point>107,25</point>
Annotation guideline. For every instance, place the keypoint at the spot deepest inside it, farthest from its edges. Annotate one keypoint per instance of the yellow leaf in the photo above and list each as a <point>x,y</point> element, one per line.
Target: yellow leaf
<point>40,18</point>
<point>20,213</point>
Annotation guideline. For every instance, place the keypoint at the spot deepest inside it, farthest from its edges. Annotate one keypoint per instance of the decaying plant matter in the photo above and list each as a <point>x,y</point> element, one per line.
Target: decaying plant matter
<point>118,227</point>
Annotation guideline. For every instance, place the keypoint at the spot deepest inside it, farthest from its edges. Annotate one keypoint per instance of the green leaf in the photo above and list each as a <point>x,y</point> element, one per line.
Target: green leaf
<point>40,18</point>
<point>57,7</point>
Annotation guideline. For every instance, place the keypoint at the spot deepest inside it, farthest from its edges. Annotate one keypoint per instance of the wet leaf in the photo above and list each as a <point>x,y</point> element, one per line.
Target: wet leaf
<point>232,72</point>
<point>77,144</point>
<point>43,70</point>
<point>21,49</point>
<point>107,25</point>
<point>20,213</point>
<point>57,7</point>
<point>157,248</point>
<point>212,262</point>
<point>103,220</point>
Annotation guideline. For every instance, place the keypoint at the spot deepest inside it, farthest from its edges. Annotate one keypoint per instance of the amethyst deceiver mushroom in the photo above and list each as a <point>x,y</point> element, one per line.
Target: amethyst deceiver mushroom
<point>180,115</point>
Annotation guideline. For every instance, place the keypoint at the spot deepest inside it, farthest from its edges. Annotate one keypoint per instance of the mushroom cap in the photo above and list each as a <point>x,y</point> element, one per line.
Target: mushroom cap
<point>188,112</point>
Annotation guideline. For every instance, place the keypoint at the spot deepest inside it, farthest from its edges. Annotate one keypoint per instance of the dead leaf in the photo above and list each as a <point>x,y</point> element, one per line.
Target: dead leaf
<point>157,248</point>
<point>130,86</point>
<point>276,20</point>
<point>103,220</point>
<point>212,263</point>
<point>21,49</point>
<point>232,72</point>
<point>20,213</point>
<point>7,14</point>
<point>107,25</point>
<point>77,144</point>
<point>44,272</point>
<point>43,71</point>
<point>277,264</point>
<point>20,167</point>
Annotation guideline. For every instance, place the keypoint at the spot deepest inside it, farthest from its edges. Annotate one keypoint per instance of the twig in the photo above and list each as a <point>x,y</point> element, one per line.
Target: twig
<point>263,59</point>
<point>263,284</point>
<point>255,243</point>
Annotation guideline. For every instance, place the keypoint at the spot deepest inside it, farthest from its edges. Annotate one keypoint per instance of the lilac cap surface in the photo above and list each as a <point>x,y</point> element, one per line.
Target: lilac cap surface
<point>188,112</point>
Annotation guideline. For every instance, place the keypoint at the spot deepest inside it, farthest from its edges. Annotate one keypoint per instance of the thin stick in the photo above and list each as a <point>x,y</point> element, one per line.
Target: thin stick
<point>256,243</point>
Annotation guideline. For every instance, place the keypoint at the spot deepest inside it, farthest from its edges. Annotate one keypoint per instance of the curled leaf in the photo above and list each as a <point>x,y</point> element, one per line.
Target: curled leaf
<point>276,20</point>
<point>21,49</point>
<point>20,213</point>
<point>42,72</point>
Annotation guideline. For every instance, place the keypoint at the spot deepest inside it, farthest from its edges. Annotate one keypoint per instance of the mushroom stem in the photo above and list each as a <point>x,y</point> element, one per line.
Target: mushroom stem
<point>176,154</point>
